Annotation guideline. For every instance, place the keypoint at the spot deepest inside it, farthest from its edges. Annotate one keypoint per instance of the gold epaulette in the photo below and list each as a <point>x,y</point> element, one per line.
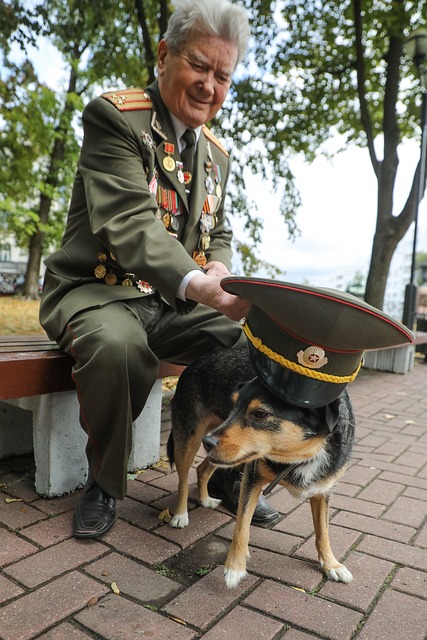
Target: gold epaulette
<point>210,136</point>
<point>129,99</point>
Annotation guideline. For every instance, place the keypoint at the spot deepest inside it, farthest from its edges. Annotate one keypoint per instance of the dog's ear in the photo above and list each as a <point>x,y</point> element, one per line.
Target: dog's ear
<point>332,414</point>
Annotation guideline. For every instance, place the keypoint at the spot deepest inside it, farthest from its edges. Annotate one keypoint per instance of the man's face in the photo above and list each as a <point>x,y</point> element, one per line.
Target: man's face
<point>194,83</point>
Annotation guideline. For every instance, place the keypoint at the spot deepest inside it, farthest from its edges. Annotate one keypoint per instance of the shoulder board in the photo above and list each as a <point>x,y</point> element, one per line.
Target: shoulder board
<point>129,99</point>
<point>210,136</point>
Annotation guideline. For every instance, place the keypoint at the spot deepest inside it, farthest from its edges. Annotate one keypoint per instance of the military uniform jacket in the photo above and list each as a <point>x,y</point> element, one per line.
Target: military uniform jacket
<point>120,196</point>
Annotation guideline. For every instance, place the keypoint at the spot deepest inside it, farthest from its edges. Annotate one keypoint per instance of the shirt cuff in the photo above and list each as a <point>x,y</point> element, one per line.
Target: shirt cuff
<point>184,283</point>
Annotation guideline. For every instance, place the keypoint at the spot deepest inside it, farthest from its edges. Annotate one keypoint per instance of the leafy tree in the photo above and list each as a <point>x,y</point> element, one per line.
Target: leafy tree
<point>338,67</point>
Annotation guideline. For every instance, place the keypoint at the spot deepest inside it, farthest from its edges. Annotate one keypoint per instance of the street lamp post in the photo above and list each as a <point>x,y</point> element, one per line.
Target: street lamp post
<point>416,48</point>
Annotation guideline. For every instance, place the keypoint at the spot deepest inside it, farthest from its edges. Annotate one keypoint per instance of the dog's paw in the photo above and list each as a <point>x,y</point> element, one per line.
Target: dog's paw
<point>179,520</point>
<point>233,577</point>
<point>210,503</point>
<point>339,574</point>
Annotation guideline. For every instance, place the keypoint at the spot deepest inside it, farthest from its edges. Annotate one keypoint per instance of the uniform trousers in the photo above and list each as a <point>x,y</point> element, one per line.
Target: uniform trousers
<point>117,348</point>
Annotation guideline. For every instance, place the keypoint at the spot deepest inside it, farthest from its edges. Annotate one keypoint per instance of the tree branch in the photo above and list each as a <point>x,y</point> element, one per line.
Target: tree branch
<point>149,54</point>
<point>360,70</point>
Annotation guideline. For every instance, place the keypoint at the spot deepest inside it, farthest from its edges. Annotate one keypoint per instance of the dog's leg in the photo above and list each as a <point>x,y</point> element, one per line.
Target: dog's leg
<point>204,472</point>
<point>184,456</point>
<point>235,564</point>
<point>333,569</point>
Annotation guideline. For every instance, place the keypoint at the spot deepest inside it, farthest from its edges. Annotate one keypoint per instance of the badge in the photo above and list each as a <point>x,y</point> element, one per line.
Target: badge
<point>205,241</point>
<point>147,139</point>
<point>209,184</point>
<point>144,287</point>
<point>312,357</point>
<point>187,177</point>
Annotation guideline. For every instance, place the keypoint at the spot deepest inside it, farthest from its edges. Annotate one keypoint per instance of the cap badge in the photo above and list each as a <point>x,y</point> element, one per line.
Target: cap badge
<point>312,357</point>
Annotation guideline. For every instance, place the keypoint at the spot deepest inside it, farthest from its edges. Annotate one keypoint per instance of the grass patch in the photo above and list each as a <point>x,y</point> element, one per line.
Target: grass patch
<point>19,316</point>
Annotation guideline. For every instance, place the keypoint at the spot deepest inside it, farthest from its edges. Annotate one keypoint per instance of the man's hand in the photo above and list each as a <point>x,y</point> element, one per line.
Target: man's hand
<point>207,290</point>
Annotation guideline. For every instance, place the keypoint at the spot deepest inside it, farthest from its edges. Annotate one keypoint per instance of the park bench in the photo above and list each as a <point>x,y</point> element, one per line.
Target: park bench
<point>39,413</point>
<point>395,359</point>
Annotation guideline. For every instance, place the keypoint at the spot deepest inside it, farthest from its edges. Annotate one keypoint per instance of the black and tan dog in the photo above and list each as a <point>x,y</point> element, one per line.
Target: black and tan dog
<point>220,402</point>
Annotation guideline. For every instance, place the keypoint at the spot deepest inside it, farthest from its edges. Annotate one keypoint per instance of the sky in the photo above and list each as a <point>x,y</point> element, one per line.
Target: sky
<point>338,213</point>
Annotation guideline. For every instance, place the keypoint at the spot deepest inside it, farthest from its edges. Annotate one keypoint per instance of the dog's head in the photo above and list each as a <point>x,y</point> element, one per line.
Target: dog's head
<point>262,426</point>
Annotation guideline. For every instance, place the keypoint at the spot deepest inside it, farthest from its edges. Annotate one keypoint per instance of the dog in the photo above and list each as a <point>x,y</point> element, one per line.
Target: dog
<point>219,401</point>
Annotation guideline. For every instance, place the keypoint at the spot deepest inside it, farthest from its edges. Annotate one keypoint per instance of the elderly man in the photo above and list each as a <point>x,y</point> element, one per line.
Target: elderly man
<point>137,278</point>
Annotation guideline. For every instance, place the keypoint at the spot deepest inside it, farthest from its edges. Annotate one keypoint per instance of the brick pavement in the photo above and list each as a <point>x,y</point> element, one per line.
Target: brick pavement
<point>170,582</point>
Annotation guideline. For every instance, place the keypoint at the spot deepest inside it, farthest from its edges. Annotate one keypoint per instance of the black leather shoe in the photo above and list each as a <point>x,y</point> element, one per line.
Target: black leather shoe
<point>225,485</point>
<point>95,512</point>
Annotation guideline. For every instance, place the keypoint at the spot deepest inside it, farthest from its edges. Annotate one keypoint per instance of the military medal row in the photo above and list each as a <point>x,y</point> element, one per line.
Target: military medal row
<point>111,278</point>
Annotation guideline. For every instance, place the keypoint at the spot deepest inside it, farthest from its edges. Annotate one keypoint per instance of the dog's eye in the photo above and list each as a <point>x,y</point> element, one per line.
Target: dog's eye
<point>260,414</point>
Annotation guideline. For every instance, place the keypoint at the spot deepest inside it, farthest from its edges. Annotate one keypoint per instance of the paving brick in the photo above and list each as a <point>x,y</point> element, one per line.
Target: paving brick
<point>148,475</point>
<point>407,511</point>
<point>344,489</point>
<point>341,542</point>
<point>50,531</point>
<point>385,466</point>
<point>138,514</point>
<point>309,613</point>
<point>373,441</point>
<point>293,634</point>
<point>381,491</point>
<point>371,525</point>
<point>411,481</point>
<point>292,571</point>
<point>411,459</point>
<point>298,523</point>
<point>265,538</point>
<point>202,522</point>
<point>118,619</point>
<point>139,544</point>
<point>411,582</point>
<point>202,603</point>
<point>396,615</point>
<point>413,492</point>
<point>420,540</point>
<point>369,575</point>
<point>282,500</point>
<point>360,475</point>
<point>19,514</point>
<point>13,547</point>
<point>244,623</point>
<point>145,492</point>
<point>394,551</point>
<point>53,506</point>
<point>372,509</point>
<point>54,561</point>
<point>133,579</point>
<point>65,631</point>
<point>8,590</point>
<point>39,610</point>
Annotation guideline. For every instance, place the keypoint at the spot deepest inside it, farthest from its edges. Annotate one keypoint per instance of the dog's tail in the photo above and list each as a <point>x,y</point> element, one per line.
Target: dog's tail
<point>170,450</point>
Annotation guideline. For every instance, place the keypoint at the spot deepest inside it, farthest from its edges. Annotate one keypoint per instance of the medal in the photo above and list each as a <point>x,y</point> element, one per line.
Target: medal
<point>175,223</point>
<point>100,271</point>
<point>168,162</point>
<point>127,282</point>
<point>199,258</point>
<point>166,218</point>
<point>205,241</point>
<point>110,278</point>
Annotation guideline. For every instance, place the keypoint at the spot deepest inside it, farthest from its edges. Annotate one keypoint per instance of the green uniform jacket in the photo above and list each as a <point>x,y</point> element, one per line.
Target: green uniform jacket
<point>114,214</point>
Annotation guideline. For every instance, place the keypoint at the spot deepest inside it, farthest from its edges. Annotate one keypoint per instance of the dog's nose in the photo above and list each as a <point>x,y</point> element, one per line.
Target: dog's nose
<point>209,442</point>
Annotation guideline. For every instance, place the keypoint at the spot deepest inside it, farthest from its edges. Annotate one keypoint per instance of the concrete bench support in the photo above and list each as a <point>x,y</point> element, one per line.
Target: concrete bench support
<point>59,442</point>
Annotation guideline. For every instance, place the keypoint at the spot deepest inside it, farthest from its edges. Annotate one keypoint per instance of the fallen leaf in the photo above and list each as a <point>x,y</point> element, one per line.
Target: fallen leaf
<point>115,588</point>
<point>178,620</point>
<point>388,416</point>
<point>409,421</point>
<point>165,516</point>
<point>93,601</point>
<point>298,589</point>
<point>104,572</point>
<point>9,500</point>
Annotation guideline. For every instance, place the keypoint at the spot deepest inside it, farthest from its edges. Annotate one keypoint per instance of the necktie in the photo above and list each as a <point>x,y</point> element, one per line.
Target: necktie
<point>188,153</point>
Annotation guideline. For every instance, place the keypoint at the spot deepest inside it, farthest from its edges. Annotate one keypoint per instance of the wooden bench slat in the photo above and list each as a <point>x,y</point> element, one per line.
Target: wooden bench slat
<point>34,365</point>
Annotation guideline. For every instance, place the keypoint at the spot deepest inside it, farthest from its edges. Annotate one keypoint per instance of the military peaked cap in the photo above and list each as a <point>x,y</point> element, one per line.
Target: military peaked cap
<point>306,343</point>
